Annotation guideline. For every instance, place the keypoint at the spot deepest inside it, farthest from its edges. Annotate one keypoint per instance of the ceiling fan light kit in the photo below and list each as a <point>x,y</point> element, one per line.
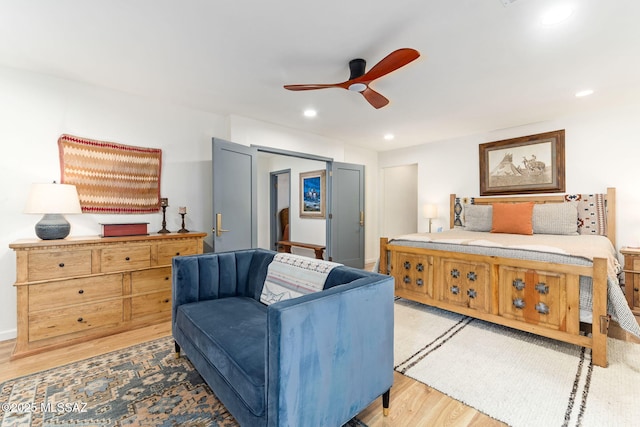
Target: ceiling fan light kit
<point>359,80</point>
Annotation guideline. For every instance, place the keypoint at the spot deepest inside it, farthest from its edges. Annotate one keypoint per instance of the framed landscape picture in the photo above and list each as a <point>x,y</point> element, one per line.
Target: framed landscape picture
<point>312,194</point>
<point>528,164</point>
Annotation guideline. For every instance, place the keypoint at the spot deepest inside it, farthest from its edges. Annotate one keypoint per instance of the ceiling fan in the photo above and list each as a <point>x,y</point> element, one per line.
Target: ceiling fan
<point>359,80</point>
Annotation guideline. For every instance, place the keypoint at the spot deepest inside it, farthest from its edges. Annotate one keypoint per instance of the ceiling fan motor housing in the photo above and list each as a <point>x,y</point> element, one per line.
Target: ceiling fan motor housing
<point>357,67</point>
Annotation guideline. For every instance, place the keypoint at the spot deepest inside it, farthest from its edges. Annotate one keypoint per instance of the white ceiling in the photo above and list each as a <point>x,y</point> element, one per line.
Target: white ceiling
<point>484,65</point>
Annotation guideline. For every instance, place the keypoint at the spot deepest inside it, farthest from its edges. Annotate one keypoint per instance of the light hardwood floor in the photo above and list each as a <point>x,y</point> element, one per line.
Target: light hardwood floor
<point>412,403</point>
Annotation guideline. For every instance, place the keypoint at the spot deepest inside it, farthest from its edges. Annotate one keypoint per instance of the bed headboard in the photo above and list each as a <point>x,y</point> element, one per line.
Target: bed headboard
<point>609,205</point>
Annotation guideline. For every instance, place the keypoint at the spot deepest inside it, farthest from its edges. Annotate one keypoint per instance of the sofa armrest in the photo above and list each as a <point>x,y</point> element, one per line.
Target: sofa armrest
<point>330,354</point>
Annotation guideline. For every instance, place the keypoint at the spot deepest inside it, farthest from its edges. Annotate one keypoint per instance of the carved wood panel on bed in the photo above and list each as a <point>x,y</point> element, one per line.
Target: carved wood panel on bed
<point>533,295</point>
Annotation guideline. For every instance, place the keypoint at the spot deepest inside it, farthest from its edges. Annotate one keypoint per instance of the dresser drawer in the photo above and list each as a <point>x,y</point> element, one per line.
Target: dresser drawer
<point>75,291</point>
<point>56,265</point>
<point>125,258</point>
<point>157,279</point>
<point>157,303</point>
<point>47,324</point>
<point>169,250</point>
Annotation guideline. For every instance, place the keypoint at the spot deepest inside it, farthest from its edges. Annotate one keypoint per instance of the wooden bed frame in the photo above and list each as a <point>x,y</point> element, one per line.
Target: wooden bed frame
<point>506,291</point>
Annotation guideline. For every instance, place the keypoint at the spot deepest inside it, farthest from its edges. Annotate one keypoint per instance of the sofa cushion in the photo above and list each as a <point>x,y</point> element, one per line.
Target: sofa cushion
<point>214,327</point>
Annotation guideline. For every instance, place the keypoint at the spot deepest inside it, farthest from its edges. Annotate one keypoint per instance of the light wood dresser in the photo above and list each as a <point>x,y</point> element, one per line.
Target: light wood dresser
<point>79,288</point>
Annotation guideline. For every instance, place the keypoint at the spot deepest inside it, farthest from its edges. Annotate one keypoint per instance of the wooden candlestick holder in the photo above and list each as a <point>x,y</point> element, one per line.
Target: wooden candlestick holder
<point>183,230</point>
<point>164,221</point>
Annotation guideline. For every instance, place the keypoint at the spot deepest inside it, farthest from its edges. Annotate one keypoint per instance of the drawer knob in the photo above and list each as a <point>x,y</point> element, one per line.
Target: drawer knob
<point>127,259</point>
<point>177,253</point>
<point>81,291</point>
<point>61,265</point>
<point>80,319</point>
<point>166,278</point>
<point>166,300</point>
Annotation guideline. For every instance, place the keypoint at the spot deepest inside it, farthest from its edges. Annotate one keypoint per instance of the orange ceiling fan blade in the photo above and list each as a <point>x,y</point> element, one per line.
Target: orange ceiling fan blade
<point>396,59</point>
<point>374,98</point>
<point>359,79</point>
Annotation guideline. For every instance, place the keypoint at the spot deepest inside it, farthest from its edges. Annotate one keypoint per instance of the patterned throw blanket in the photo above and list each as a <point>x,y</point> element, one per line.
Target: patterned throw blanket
<point>290,276</point>
<point>111,178</point>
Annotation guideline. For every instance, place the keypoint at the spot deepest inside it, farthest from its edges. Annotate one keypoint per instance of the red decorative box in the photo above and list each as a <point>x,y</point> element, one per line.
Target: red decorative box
<point>116,230</point>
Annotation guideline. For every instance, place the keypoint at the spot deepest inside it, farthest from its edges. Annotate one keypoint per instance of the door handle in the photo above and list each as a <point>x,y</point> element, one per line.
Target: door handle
<point>219,230</point>
<point>361,218</point>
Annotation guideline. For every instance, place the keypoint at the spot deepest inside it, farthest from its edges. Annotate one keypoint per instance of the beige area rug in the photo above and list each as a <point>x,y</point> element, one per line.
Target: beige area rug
<point>515,377</point>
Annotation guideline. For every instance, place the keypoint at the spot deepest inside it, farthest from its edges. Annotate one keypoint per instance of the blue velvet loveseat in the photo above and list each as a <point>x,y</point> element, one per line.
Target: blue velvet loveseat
<point>315,360</point>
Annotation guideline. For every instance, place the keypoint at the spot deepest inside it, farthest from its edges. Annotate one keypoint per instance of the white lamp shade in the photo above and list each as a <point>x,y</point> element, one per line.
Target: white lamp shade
<point>53,199</point>
<point>430,211</point>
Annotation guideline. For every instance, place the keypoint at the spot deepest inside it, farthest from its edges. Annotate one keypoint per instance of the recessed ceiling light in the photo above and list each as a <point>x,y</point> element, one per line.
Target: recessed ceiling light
<point>557,14</point>
<point>389,136</point>
<point>310,113</point>
<point>585,92</point>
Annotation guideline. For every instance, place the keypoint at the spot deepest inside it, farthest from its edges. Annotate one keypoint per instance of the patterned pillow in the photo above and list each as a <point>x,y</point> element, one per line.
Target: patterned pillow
<point>555,218</point>
<point>290,276</point>
<point>592,212</point>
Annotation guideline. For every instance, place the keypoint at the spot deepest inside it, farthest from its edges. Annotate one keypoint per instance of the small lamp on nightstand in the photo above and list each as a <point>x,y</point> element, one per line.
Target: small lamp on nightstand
<point>430,211</point>
<point>53,200</point>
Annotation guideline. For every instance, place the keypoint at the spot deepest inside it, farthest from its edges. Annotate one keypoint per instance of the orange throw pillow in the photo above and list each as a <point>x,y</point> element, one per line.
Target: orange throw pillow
<point>513,218</point>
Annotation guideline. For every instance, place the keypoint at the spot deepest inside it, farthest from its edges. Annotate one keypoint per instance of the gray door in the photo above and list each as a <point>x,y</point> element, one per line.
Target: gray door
<point>234,196</point>
<point>347,214</point>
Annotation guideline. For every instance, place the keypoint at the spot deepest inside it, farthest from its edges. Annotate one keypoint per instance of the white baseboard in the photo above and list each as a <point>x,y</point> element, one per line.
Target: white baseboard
<point>8,334</point>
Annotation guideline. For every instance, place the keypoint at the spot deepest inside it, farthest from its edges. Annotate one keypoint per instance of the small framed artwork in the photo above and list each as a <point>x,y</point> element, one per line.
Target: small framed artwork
<point>528,164</point>
<point>313,194</point>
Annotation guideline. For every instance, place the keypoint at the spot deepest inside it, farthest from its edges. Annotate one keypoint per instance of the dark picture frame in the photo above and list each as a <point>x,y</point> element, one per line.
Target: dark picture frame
<point>524,165</point>
<point>313,194</point>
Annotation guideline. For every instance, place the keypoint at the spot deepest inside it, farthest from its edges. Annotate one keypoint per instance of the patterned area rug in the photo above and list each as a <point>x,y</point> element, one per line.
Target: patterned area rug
<point>111,178</point>
<point>513,376</point>
<point>143,385</point>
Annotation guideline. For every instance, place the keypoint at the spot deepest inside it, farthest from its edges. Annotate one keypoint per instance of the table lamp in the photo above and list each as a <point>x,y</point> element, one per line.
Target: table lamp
<point>53,200</point>
<point>430,211</point>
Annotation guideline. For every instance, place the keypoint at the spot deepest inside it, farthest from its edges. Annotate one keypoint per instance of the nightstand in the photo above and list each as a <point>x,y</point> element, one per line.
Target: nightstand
<point>632,278</point>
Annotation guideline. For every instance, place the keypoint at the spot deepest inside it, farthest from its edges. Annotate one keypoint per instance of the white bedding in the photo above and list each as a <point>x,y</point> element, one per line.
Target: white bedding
<point>584,246</point>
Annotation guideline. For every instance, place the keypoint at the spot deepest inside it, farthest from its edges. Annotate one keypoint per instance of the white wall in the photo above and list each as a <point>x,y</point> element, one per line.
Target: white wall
<point>398,200</point>
<point>602,150</point>
<point>36,109</point>
<point>304,230</point>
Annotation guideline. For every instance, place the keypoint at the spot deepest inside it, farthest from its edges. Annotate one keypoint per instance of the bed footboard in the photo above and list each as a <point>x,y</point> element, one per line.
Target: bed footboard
<point>538,297</point>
